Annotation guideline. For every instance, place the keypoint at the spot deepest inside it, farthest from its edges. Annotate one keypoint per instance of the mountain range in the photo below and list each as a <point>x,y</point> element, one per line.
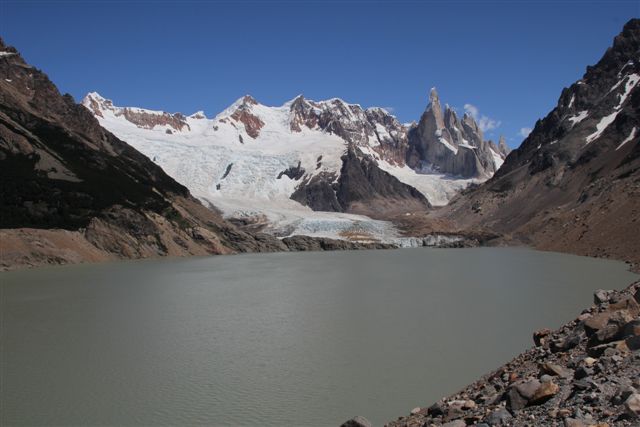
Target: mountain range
<point>282,166</point>
<point>94,181</point>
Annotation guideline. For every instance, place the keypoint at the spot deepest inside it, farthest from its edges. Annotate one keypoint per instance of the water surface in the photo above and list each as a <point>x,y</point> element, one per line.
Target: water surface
<point>275,339</point>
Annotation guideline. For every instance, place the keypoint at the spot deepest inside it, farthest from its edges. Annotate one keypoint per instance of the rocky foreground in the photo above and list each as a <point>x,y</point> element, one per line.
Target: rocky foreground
<point>586,373</point>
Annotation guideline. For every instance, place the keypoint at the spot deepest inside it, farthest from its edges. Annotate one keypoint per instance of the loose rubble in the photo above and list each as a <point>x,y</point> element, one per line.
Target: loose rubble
<point>586,373</point>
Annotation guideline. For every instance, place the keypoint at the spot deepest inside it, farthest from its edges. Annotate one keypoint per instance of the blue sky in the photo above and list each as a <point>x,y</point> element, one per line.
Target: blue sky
<point>507,59</point>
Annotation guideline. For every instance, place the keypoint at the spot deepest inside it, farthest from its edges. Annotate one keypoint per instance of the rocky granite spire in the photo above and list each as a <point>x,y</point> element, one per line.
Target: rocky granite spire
<point>503,147</point>
<point>435,109</point>
<point>441,142</point>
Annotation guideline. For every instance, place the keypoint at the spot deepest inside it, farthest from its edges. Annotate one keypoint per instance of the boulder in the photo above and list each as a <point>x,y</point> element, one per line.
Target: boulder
<point>498,417</point>
<point>632,328</point>
<point>357,421</point>
<point>627,303</point>
<point>556,370</point>
<point>633,343</point>
<point>540,336</point>
<point>600,296</point>
<point>599,350</point>
<point>632,405</point>
<point>545,392</point>
<point>614,319</point>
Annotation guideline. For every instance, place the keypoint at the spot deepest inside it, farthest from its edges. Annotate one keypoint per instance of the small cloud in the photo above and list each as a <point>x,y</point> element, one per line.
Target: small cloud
<point>524,132</point>
<point>484,123</point>
<point>390,109</point>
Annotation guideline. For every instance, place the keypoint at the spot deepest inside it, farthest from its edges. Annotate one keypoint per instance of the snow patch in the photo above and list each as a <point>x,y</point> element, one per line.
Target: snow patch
<point>632,81</point>
<point>497,159</point>
<point>447,144</point>
<point>601,126</point>
<point>578,117</point>
<point>631,136</point>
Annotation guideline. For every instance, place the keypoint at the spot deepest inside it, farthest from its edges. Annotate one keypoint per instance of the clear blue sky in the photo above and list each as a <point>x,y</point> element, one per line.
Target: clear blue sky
<point>509,59</point>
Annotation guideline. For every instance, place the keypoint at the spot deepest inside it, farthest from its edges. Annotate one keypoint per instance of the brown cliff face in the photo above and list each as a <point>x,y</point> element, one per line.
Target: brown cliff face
<point>573,185</point>
<point>145,119</point>
<point>252,124</point>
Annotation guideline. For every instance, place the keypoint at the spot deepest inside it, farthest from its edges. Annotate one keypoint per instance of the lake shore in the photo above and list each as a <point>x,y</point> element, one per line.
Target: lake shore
<point>586,373</point>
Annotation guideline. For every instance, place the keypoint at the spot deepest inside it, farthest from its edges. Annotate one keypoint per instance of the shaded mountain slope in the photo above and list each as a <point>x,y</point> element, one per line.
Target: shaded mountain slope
<point>574,184</point>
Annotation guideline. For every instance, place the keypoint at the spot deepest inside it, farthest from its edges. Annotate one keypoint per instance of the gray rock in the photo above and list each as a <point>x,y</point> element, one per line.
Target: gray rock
<point>546,378</point>
<point>436,410</point>
<point>519,395</point>
<point>600,296</point>
<point>358,421</point>
<point>632,405</point>
<point>582,372</point>
<point>574,422</point>
<point>557,370</point>
<point>498,417</point>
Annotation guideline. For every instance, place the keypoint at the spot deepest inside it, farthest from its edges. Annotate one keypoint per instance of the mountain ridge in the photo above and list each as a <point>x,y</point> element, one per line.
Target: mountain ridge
<point>253,160</point>
<point>573,186</point>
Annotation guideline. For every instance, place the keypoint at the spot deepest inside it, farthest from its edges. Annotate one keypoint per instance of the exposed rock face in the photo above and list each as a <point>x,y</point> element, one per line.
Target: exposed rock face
<point>573,184</point>
<point>502,146</point>
<point>142,118</point>
<point>589,383</point>
<point>362,187</point>
<point>252,124</point>
<point>442,142</point>
<point>372,127</point>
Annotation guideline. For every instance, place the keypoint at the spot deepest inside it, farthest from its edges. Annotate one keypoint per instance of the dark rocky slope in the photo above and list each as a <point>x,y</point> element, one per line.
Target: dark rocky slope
<point>361,188</point>
<point>586,373</point>
<point>73,192</point>
<point>574,184</point>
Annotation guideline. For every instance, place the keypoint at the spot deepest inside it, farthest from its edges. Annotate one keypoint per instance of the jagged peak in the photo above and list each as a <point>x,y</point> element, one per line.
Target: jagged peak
<point>299,100</point>
<point>380,110</point>
<point>249,100</point>
<point>244,102</point>
<point>95,95</point>
<point>434,100</point>
<point>198,115</point>
<point>433,94</point>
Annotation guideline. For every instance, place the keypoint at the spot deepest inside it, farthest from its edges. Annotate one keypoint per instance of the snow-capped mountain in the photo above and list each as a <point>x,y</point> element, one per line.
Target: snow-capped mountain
<point>253,160</point>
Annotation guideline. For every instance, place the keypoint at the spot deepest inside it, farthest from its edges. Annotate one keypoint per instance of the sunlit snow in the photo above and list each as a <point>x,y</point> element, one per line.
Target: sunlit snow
<point>242,176</point>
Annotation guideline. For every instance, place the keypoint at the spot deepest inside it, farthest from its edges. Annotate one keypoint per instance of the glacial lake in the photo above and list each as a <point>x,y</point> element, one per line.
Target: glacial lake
<point>295,339</point>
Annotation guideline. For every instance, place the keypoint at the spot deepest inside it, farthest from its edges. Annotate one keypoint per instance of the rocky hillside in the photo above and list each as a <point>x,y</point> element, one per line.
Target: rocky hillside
<point>586,373</point>
<point>73,192</point>
<point>574,184</point>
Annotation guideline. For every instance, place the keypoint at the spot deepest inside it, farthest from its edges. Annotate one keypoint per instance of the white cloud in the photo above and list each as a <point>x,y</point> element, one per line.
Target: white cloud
<point>484,123</point>
<point>524,132</point>
<point>390,110</point>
